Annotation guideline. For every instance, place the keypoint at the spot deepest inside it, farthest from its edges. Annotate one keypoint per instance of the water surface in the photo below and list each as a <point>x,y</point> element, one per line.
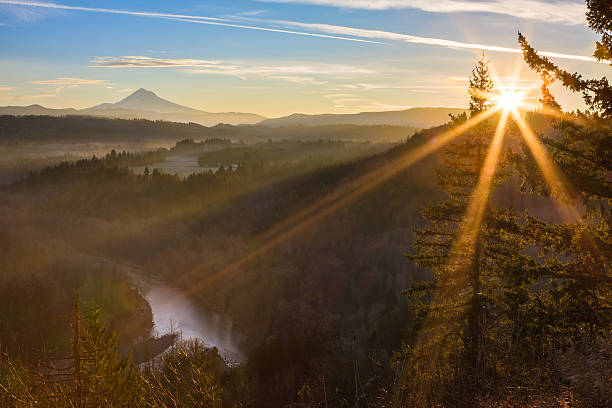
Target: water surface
<point>173,311</point>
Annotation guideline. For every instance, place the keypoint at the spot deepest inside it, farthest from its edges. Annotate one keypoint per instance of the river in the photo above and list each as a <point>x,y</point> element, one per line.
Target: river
<point>174,312</point>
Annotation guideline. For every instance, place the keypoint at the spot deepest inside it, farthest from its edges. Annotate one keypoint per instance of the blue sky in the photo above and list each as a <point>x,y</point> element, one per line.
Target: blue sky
<point>279,57</point>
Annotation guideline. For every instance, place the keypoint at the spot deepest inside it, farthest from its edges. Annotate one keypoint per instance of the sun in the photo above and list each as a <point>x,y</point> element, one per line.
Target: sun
<point>509,99</point>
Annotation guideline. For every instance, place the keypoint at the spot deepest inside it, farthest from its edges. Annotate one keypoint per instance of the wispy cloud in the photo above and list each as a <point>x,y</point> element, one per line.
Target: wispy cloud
<point>566,12</point>
<point>381,106</point>
<point>69,81</point>
<point>27,97</point>
<point>298,79</point>
<point>341,101</point>
<point>320,30</point>
<point>338,95</point>
<point>252,13</point>
<point>299,73</point>
<point>138,61</point>
<point>24,15</point>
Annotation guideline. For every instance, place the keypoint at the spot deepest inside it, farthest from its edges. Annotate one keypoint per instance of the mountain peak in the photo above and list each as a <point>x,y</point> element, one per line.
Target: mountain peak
<point>143,103</point>
<point>143,92</point>
<point>145,100</point>
<point>142,95</point>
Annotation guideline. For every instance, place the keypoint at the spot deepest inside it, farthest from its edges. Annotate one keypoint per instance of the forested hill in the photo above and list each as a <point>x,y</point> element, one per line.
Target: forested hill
<point>84,129</point>
<point>414,117</point>
<point>33,129</point>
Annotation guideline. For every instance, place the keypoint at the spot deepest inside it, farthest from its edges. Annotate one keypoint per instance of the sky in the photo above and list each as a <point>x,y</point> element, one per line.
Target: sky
<point>277,57</point>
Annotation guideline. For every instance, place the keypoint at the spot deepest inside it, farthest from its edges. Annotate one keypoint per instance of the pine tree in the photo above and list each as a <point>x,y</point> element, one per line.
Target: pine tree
<point>467,272</point>
<point>481,85</point>
<point>573,273</point>
<point>597,93</point>
<point>546,97</point>
<point>100,376</point>
<point>583,153</point>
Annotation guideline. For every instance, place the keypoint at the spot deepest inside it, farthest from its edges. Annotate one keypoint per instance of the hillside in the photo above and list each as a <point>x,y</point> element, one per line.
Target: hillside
<point>36,129</point>
<point>415,117</point>
<point>35,110</point>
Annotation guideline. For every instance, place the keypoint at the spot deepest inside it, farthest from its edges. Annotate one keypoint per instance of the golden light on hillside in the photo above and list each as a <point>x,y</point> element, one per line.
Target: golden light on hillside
<point>317,211</point>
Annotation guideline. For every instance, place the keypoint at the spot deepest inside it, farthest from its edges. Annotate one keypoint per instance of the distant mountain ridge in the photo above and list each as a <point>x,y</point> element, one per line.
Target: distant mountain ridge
<point>36,110</point>
<point>145,104</point>
<point>416,117</point>
<point>145,100</point>
<point>142,104</point>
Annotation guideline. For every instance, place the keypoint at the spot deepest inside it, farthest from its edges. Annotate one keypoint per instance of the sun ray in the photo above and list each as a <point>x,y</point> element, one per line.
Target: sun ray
<point>554,113</point>
<point>475,211</point>
<point>555,179</point>
<point>288,228</point>
<point>462,252</point>
<point>463,247</point>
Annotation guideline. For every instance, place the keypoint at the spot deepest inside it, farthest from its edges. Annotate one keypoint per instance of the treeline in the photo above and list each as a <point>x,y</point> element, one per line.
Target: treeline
<point>289,154</point>
<point>127,159</point>
<point>352,133</point>
<point>28,129</point>
<point>16,130</point>
<point>190,147</point>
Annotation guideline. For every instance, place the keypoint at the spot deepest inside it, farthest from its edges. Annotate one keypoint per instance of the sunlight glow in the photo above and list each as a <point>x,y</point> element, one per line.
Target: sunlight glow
<point>509,99</point>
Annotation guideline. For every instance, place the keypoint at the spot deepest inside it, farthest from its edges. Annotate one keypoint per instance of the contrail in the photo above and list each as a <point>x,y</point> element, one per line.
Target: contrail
<point>325,30</point>
<point>386,35</point>
<point>103,10</point>
<point>178,17</point>
<point>274,30</point>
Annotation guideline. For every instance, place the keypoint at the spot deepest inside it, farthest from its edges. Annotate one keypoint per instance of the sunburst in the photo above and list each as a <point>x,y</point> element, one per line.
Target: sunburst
<point>510,99</point>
